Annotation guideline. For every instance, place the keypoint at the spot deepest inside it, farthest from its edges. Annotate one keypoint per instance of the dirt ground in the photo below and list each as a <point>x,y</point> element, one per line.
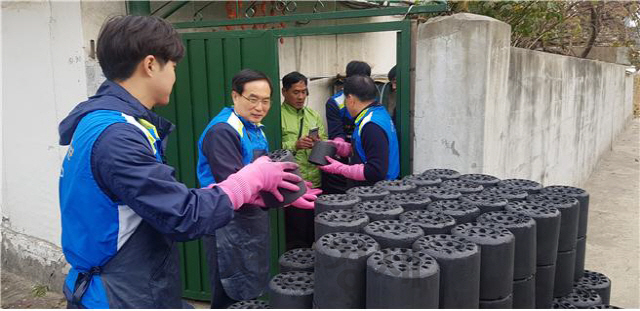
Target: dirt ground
<point>613,237</point>
<point>18,293</point>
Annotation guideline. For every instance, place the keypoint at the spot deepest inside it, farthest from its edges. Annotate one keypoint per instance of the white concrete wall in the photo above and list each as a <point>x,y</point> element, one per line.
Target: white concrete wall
<point>482,106</point>
<point>324,56</point>
<point>562,114</point>
<point>460,80</point>
<point>43,79</point>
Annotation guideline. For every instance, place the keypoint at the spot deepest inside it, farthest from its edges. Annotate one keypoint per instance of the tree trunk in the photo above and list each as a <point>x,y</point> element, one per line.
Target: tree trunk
<point>595,26</point>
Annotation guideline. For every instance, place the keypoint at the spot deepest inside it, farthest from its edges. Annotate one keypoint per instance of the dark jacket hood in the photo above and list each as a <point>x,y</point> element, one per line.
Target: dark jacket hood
<point>111,96</point>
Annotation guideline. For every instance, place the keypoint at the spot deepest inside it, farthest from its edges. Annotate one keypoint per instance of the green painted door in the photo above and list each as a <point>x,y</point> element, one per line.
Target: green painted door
<point>202,89</point>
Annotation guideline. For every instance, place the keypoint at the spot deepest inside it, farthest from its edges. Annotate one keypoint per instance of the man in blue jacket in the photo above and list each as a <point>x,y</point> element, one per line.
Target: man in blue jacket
<point>121,207</point>
<point>340,126</point>
<point>375,143</point>
<point>238,255</point>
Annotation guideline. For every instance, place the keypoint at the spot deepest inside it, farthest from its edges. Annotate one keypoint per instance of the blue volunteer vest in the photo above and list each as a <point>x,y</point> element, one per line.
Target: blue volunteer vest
<point>339,98</point>
<point>251,138</point>
<point>378,115</point>
<point>94,228</point>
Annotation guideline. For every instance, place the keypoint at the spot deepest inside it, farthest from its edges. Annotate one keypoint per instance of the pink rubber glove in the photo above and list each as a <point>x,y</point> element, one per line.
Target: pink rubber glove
<point>306,201</point>
<point>257,200</point>
<point>311,190</point>
<point>353,172</point>
<point>261,175</point>
<point>343,147</point>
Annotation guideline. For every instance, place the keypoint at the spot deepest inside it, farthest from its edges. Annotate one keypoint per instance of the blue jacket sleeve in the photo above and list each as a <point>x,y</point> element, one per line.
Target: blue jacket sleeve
<point>376,148</point>
<point>223,150</point>
<point>334,121</point>
<point>125,168</point>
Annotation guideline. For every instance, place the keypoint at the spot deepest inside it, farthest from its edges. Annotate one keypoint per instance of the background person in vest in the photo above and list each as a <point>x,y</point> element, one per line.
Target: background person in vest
<point>340,126</point>
<point>374,138</point>
<point>120,205</point>
<point>297,121</point>
<point>238,255</point>
<point>388,94</point>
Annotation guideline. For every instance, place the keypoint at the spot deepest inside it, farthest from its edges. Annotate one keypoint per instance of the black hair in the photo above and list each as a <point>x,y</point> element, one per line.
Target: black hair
<point>124,41</point>
<point>392,73</point>
<point>361,87</point>
<point>245,76</point>
<point>293,78</point>
<point>356,67</point>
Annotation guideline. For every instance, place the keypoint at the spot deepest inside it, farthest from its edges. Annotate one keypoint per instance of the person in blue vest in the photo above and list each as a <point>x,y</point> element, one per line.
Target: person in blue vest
<point>122,209</point>
<point>238,255</point>
<point>340,126</point>
<point>375,143</point>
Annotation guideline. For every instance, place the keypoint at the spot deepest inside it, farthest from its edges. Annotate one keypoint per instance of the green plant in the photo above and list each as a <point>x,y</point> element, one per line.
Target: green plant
<point>39,290</point>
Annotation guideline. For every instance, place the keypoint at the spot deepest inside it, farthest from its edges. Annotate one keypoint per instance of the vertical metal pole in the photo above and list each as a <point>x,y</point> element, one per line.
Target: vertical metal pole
<point>403,60</point>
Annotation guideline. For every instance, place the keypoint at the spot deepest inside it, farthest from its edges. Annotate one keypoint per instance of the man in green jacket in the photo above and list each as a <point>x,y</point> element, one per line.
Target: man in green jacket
<point>297,123</point>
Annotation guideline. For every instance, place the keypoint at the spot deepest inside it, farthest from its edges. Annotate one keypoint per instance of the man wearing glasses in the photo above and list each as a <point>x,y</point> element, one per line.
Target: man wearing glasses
<point>238,254</point>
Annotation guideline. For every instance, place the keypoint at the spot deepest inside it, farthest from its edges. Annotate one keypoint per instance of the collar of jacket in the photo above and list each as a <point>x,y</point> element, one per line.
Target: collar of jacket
<point>286,106</point>
<point>125,103</point>
<point>246,122</point>
<point>363,112</point>
<point>163,125</point>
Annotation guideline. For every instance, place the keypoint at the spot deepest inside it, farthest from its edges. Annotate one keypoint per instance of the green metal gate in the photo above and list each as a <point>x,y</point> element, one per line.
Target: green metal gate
<point>203,88</point>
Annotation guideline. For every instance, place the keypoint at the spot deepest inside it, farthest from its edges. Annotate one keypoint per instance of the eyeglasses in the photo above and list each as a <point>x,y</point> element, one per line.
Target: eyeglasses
<point>254,100</point>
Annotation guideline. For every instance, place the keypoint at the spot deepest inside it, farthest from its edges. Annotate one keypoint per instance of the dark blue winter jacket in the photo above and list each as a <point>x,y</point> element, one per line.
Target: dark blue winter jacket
<point>122,208</point>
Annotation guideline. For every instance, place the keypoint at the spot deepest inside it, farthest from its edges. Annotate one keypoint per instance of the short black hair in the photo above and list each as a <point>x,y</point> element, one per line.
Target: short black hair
<point>245,76</point>
<point>293,78</point>
<point>361,87</point>
<point>356,67</point>
<point>392,73</point>
<point>124,41</point>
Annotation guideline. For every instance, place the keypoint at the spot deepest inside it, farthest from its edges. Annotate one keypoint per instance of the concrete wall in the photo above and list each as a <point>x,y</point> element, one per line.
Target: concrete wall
<point>461,77</point>
<point>317,56</point>
<point>482,106</point>
<point>609,54</point>
<point>563,113</point>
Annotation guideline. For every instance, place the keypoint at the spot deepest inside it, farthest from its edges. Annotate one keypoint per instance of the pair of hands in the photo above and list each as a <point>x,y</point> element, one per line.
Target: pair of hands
<point>343,147</point>
<point>263,175</point>
<point>354,172</point>
<point>306,142</point>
